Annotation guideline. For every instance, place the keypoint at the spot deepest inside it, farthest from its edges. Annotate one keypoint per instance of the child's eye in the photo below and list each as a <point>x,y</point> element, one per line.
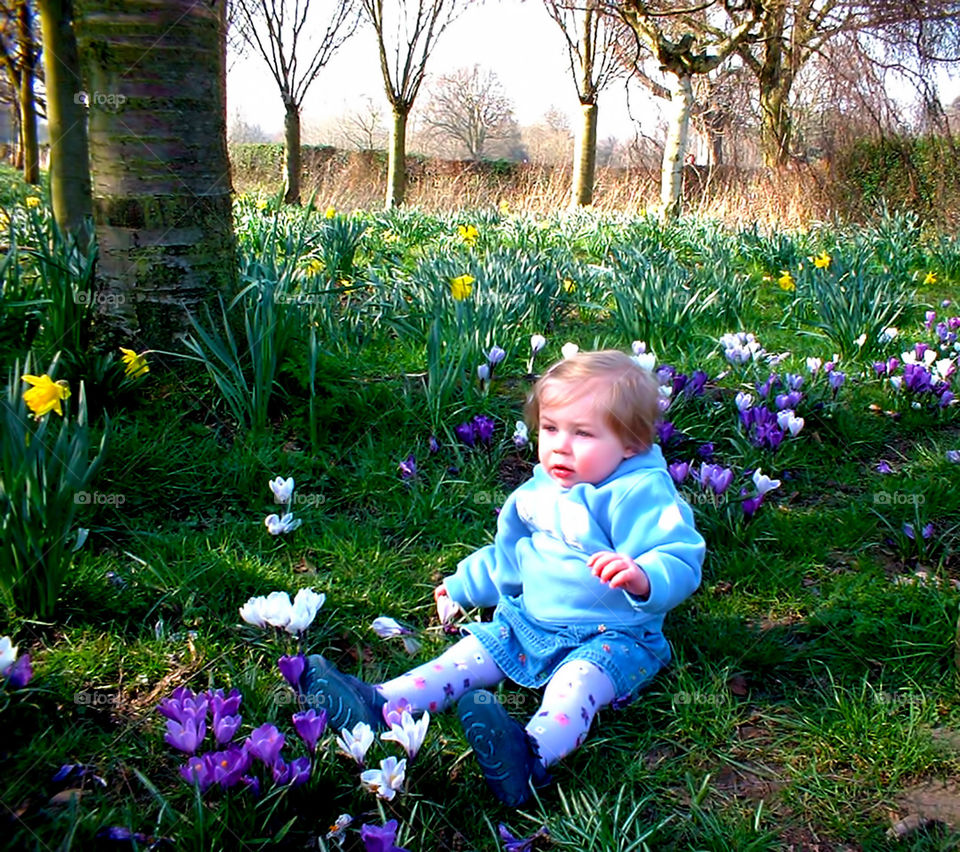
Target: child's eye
<point>549,428</point>
<point>584,434</point>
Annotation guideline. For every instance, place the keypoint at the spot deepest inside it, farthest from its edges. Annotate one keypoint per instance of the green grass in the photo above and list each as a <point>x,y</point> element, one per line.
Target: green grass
<point>811,669</point>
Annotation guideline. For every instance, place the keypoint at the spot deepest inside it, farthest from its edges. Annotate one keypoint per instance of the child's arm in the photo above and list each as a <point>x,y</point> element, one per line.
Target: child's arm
<point>658,550</point>
<point>493,570</point>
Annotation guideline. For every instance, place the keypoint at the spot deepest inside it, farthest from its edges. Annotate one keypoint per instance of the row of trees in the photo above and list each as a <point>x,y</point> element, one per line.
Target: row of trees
<point>152,100</point>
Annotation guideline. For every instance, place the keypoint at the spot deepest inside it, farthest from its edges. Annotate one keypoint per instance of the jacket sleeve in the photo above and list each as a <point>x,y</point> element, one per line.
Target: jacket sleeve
<point>654,525</point>
<point>493,570</point>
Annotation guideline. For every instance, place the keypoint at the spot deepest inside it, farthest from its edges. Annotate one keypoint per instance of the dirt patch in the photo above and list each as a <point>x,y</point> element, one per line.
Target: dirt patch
<point>754,783</point>
<point>806,840</point>
<point>931,801</point>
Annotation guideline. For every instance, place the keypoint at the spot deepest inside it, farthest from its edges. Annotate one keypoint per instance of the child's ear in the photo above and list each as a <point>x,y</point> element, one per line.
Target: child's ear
<point>630,452</point>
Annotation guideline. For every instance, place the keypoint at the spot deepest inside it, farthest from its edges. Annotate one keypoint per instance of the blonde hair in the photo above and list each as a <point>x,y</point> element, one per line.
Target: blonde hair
<point>631,393</point>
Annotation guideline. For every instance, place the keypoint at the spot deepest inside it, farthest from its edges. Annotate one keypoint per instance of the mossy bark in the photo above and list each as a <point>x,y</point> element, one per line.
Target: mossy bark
<point>396,163</point>
<point>69,153</point>
<point>585,157</point>
<point>160,173</point>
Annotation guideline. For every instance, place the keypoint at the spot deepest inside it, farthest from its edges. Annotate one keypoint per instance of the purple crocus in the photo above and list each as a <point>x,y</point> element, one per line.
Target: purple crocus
<point>929,318</point>
<point>483,428</point>
<point>265,743</point>
<point>836,380</point>
<point>408,467</point>
<point>679,471</point>
<point>512,843</point>
<point>751,504</point>
<point>223,704</point>
<point>225,727</point>
<point>464,432</point>
<point>495,355</point>
<point>705,451</point>
<point>380,839</point>
<point>294,773</point>
<point>185,736</point>
<point>20,673</point>
<point>883,466</point>
<point>432,445</point>
<point>310,726</point>
<point>183,704</point>
<point>198,770</point>
<point>910,533</point>
<point>228,767</point>
<point>291,667</point>
<point>665,431</point>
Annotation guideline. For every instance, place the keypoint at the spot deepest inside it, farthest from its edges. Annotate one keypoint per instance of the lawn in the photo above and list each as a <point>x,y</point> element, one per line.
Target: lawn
<point>812,702</point>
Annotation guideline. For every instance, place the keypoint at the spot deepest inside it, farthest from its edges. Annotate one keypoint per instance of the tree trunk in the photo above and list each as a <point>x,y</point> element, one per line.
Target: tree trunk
<point>292,154</point>
<point>775,124</point>
<point>671,173</point>
<point>396,161</point>
<point>28,107</point>
<point>161,177</point>
<point>69,154</point>
<point>585,157</point>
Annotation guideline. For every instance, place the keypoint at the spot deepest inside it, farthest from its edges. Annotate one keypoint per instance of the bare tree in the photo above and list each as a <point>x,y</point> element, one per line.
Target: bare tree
<point>684,47</point>
<point>363,128</point>
<point>470,106</point>
<point>20,48</point>
<point>407,32</point>
<point>284,33</point>
<point>593,38</point>
<point>550,139</point>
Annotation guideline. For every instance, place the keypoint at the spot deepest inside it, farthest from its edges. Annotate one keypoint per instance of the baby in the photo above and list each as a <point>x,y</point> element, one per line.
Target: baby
<point>589,556</point>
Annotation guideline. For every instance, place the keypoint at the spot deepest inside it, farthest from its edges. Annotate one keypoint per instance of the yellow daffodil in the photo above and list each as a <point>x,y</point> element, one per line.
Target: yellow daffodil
<point>461,287</point>
<point>261,205</point>
<point>45,395</point>
<point>822,260</point>
<point>468,234</point>
<point>931,278</point>
<point>330,212</point>
<point>136,365</point>
<point>504,208</point>
<point>32,201</point>
<point>314,266</point>
<point>568,285</point>
<point>786,281</point>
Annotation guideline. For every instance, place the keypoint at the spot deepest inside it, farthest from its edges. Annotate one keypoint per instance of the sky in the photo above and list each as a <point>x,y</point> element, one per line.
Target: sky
<point>516,39</point>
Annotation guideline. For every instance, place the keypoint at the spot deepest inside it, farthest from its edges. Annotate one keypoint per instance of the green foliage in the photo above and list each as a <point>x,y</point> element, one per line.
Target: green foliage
<point>44,474</point>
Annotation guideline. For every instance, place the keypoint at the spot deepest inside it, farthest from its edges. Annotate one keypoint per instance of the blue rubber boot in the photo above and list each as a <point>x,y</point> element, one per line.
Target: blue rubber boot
<point>347,700</point>
<point>507,754</point>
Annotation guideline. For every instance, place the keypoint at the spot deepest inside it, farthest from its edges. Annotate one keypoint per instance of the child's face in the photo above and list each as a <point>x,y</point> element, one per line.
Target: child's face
<point>575,443</point>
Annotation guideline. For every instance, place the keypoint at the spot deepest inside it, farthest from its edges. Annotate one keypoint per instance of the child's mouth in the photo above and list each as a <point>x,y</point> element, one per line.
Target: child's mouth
<point>562,471</point>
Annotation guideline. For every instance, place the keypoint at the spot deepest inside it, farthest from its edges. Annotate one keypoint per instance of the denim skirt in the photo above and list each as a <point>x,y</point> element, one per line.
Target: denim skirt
<point>529,651</point>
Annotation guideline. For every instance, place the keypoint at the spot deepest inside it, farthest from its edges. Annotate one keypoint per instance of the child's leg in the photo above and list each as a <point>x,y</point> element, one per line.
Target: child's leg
<point>573,696</point>
<point>437,684</point>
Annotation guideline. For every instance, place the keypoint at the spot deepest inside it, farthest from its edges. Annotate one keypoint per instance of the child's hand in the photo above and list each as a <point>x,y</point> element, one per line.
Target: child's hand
<point>620,572</point>
<point>447,608</point>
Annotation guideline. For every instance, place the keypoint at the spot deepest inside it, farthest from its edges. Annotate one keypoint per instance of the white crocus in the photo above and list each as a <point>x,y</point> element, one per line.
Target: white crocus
<point>356,743</point>
<point>743,401</point>
<point>895,382</point>
<point>409,733</point>
<point>252,612</point>
<point>783,417</point>
<point>888,334</point>
<point>277,525</point>
<point>521,435</point>
<point>447,609</point>
<point>764,483</point>
<point>8,655</point>
<point>282,489</point>
<point>794,425</point>
<point>638,347</point>
<point>537,342</point>
<point>386,780</point>
<point>945,368</point>
<point>647,360</point>
<point>568,350</point>
<point>386,627</point>
<point>277,609</point>
<point>305,606</point>
<point>814,364</point>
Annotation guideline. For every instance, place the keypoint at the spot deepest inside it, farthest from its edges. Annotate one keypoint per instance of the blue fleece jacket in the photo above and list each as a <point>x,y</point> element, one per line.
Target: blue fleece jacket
<point>546,533</point>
